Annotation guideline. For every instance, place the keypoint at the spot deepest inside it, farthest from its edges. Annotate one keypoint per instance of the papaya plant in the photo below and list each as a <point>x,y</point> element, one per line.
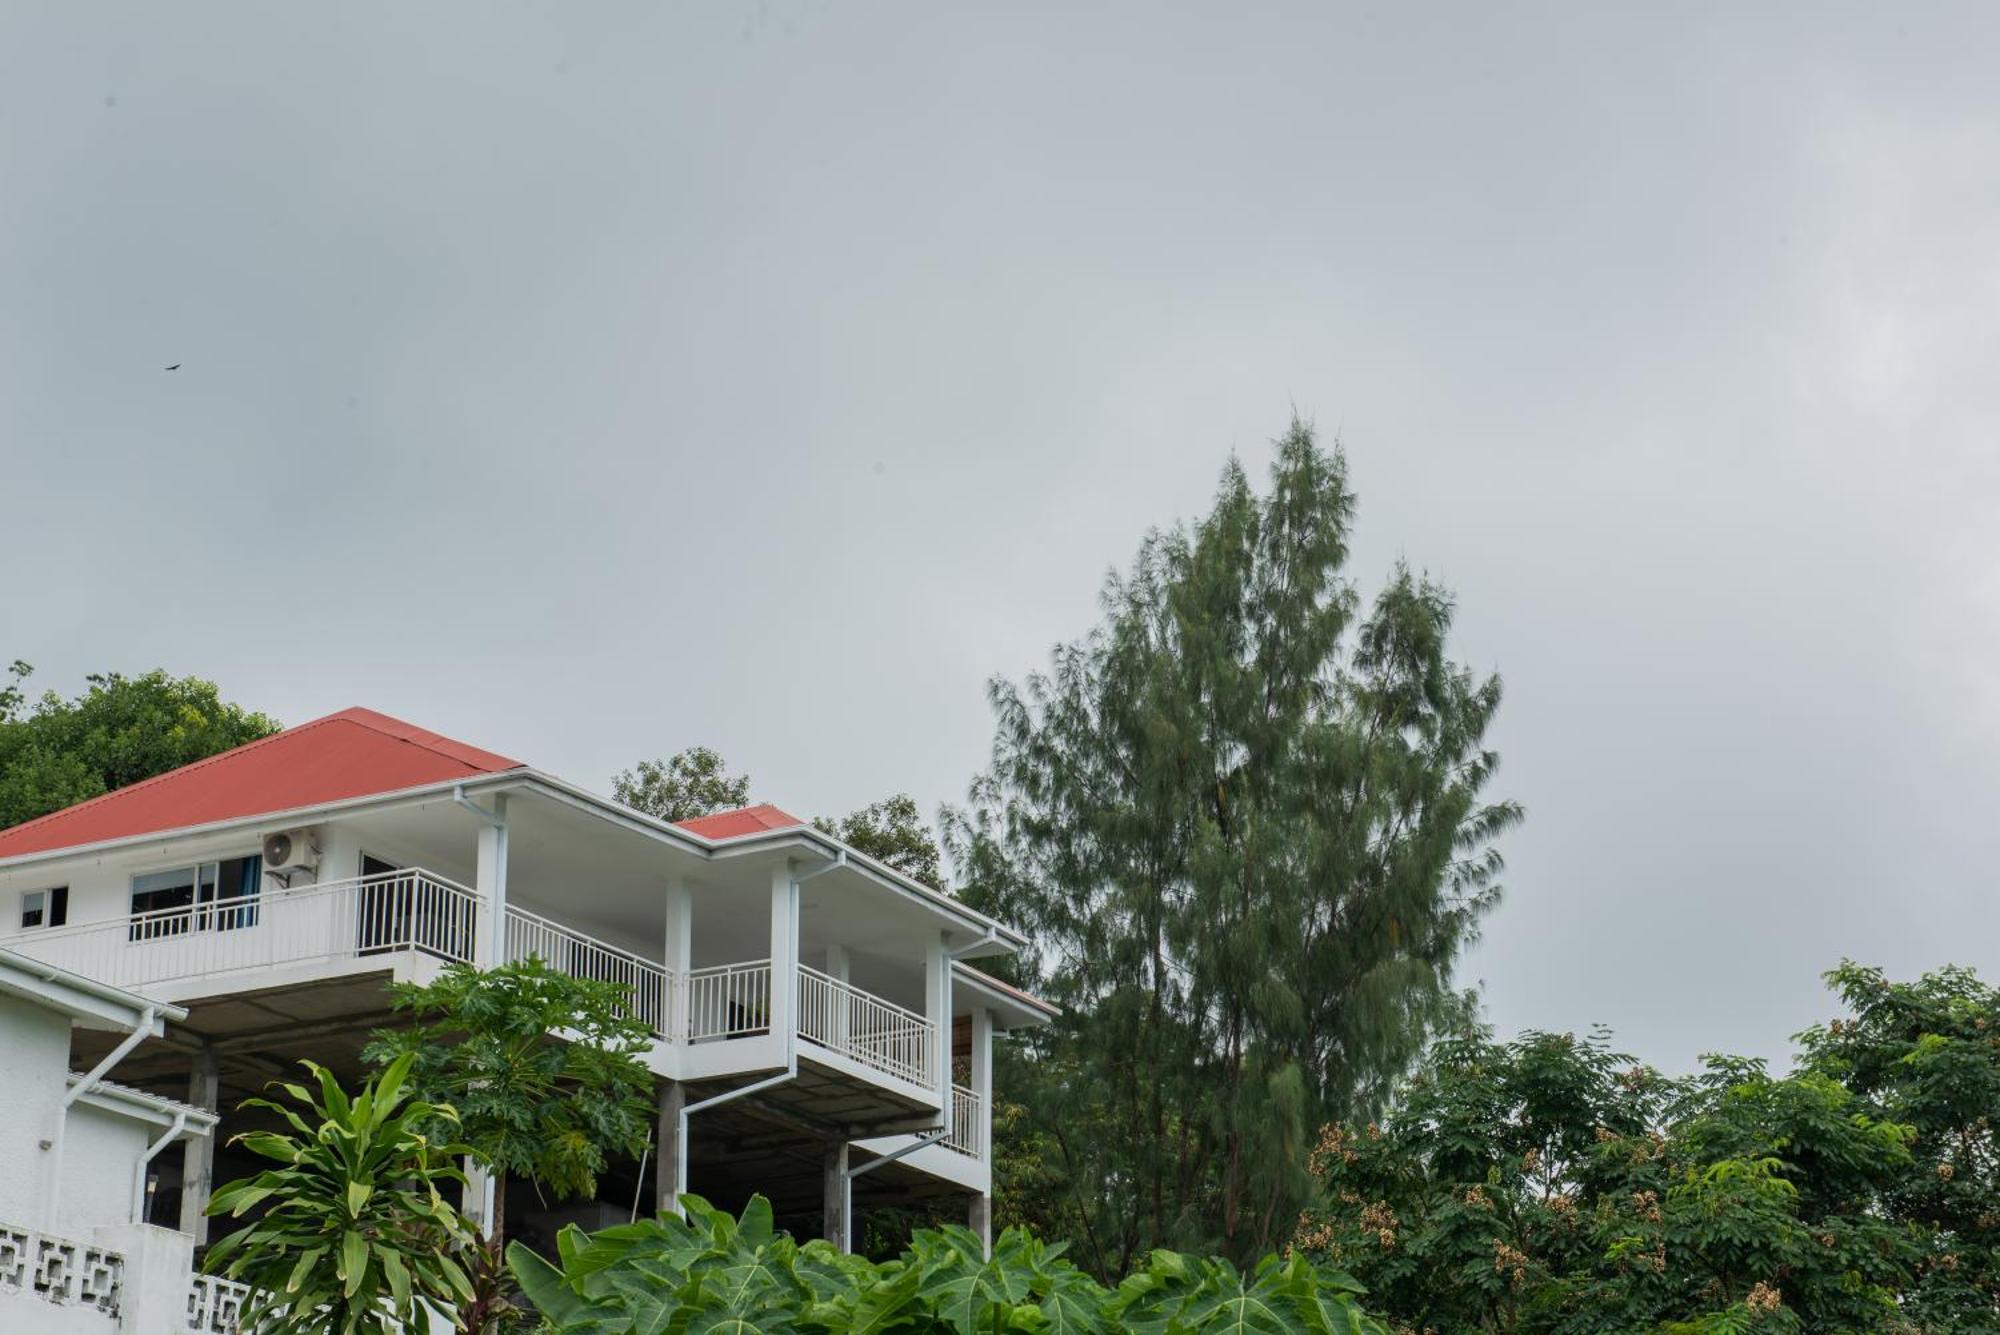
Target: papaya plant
<point>714,1273</point>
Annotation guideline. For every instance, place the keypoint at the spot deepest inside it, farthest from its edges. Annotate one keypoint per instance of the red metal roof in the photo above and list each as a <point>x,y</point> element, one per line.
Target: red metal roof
<point>743,820</point>
<point>355,753</point>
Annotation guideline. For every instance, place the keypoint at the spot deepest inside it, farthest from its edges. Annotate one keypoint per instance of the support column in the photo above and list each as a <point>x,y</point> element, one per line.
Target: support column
<point>979,1218</point>
<point>198,1153</point>
<point>842,1019</point>
<point>937,1009</point>
<point>982,1080</point>
<point>677,954</point>
<point>473,1198</point>
<point>490,880</point>
<point>667,1166</point>
<point>833,1193</point>
<point>784,952</point>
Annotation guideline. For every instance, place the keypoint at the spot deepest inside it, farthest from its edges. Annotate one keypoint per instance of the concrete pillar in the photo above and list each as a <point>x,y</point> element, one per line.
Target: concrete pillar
<point>979,1218</point>
<point>153,1293</point>
<point>937,1009</point>
<point>669,1171</point>
<point>784,951</point>
<point>490,880</point>
<point>982,1078</point>
<point>677,954</point>
<point>842,1019</point>
<point>833,1192</point>
<point>472,1200</point>
<point>198,1153</point>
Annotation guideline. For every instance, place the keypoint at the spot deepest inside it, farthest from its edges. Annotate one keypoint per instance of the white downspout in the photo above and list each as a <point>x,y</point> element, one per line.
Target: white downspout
<point>495,818</point>
<point>791,1070</point>
<point>140,1033</point>
<point>139,1168</point>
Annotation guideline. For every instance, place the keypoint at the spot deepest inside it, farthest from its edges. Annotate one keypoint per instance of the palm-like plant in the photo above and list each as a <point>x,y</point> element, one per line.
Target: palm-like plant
<point>357,1236</point>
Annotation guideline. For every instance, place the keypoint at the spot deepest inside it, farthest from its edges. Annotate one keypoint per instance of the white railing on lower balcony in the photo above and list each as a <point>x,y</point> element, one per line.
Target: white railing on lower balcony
<point>368,915</point>
<point>727,1001</point>
<point>966,1129</point>
<point>861,1025</point>
<point>214,1305</point>
<point>648,985</point>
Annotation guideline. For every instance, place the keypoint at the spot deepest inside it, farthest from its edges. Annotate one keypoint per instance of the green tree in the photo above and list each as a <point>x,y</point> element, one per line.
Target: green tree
<point>892,832</point>
<point>1245,820</point>
<point>695,782</point>
<point>356,1232</point>
<point>1550,1185</point>
<point>55,752</point>
<point>1927,1054</point>
<point>544,1071</point>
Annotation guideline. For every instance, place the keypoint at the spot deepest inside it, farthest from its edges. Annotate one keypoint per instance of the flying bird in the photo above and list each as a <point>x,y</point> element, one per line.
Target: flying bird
<point>175,367</point>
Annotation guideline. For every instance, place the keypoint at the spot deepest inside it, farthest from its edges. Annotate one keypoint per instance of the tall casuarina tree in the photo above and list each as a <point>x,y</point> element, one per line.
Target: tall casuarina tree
<point>1246,817</point>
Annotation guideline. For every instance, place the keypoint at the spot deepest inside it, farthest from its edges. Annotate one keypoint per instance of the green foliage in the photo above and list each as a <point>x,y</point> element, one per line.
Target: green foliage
<point>1551,1185</point>
<point>713,1273</point>
<point>696,782</point>
<point>551,1110</point>
<point>356,1232</point>
<point>55,753</point>
<point>894,832</point>
<point>1927,1055</point>
<point>1245,821</point>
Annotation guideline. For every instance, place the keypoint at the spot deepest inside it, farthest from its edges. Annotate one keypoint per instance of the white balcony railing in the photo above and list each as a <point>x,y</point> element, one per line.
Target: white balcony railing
<point>966,1128</point>
<point>861,1025</point>
<point>368,915</point>
<point>727,1001</point>
<point>648,985</point>
<point>416,910</point>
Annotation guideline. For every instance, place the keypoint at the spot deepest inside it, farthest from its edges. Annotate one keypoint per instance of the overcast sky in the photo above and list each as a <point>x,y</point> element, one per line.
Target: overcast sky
<point>588,382</point>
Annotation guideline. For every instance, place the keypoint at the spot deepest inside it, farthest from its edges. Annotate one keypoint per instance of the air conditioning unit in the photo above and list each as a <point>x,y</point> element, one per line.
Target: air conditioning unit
<point>290,850</point>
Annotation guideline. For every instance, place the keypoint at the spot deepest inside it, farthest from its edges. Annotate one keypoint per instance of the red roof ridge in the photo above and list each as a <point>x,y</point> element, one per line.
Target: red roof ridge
<point>397,730</point>
<point>51,817</point>
<point>739,821</point>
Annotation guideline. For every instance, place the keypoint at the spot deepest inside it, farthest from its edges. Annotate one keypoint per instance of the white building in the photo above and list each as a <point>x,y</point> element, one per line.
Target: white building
<point>820,1031</point>
<point>76,1255</point>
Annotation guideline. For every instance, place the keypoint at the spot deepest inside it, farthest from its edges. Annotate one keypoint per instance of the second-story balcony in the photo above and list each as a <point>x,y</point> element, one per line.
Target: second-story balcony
<point>412,922</point>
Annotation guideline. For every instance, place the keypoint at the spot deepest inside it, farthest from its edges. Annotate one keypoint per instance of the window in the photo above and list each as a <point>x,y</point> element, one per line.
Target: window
<point>44,908</point>
<point>209,897</point>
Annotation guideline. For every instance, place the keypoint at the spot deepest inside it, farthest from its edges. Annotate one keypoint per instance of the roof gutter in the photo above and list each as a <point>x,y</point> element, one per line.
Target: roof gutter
<point>148,1017</point>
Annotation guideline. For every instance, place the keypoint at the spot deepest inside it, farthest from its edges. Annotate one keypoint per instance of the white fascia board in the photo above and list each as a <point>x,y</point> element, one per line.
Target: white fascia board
<point>807,836</point>
<point>826,845</point>
<point>143,1107</point>
<point>293,816</point>
<point>85,1000</point>
<point>1020,1010</point>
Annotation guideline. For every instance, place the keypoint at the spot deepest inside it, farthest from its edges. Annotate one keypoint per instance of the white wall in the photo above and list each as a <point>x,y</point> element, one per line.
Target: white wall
<point>34,1061</point>
<point>100,1152</point>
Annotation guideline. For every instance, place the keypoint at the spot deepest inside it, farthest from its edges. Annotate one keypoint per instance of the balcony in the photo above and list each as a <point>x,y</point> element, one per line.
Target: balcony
<point>379,921</point>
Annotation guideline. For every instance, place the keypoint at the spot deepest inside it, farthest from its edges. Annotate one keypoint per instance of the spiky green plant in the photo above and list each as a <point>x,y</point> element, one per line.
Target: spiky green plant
<point>356,1235</point>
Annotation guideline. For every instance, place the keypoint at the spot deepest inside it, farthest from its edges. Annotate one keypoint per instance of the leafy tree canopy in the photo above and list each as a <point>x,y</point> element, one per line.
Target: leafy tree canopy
<point>550,1110</point>
<point>893,832</point>
<point>1552,1185</point>
<point>694,782</point>
<point>55,752</point>
<point>1246,821</point>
